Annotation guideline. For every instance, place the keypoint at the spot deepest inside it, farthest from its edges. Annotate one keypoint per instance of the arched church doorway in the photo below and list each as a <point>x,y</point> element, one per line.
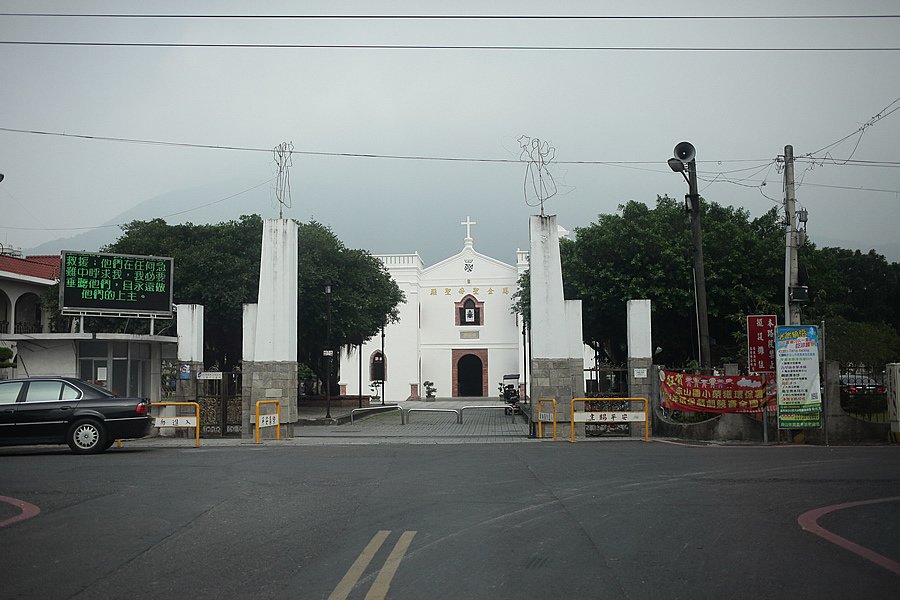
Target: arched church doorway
<point>470,373</point>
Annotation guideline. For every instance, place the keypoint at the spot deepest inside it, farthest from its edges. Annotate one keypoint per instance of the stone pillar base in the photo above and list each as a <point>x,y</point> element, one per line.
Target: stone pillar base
<point>269,381</point>
<point>561,379</point>
<point>641,385</point>
<point>185,391</point>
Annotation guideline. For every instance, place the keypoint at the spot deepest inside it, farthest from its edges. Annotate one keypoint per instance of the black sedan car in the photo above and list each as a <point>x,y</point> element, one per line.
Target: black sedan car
<point>862,394</point>
<point>65,410</point>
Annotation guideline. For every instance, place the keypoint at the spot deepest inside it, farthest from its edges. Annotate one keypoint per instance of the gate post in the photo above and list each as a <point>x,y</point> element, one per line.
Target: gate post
<point>640,352</point>
<point>189,319</point>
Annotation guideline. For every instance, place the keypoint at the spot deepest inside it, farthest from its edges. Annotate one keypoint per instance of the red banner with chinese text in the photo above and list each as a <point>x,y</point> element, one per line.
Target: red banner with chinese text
<point>717,393</point>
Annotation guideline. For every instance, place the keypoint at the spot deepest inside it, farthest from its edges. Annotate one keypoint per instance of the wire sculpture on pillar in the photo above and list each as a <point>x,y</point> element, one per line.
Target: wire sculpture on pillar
<point>539,185</point>
<point>283,155</point>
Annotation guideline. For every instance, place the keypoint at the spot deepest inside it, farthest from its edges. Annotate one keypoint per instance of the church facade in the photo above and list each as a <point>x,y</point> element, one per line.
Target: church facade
<point>456,329</point>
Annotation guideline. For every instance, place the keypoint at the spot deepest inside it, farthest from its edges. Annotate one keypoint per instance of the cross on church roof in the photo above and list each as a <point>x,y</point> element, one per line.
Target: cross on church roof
<point>468,223</point>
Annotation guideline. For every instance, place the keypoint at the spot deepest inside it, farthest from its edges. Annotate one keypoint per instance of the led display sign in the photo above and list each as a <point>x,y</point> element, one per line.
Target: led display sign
<point>115,284</point>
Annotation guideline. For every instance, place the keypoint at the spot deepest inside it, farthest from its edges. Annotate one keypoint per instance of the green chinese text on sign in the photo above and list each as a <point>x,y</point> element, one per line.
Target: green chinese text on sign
<point>98,283</point>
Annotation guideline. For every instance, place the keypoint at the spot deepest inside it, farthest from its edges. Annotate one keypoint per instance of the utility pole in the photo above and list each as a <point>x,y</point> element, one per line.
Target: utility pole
<point>685,159</point>
<point>699,272</point>
<point>791,309</point>
<point>329,353</point>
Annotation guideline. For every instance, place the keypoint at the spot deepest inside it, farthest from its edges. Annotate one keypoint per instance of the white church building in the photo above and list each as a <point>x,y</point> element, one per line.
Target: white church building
<point>456,328</point>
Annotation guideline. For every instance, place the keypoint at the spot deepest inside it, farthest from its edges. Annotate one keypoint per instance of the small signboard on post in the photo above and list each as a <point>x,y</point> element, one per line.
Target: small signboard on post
<point>799,384</point>
<point>269,420</point>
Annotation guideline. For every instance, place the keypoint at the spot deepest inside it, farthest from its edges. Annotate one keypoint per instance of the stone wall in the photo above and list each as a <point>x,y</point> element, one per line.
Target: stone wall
<point>269,381</point>
<point>839,427</point>
<point>561,379</point>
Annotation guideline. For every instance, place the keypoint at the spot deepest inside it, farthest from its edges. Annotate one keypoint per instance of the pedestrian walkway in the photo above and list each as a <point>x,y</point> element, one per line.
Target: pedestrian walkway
<point>423,422</point>
<point>484,420</point>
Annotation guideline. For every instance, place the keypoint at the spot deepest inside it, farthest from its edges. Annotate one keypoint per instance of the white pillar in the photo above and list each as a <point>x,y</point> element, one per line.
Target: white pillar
<point>640,342</point>
<point>548,312</point>
<point>248,338</point>
<point>276,321</point>
<point>189,319</point>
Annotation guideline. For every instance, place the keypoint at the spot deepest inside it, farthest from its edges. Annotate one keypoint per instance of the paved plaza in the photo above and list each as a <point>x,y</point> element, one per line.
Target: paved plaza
<point>484,420</point>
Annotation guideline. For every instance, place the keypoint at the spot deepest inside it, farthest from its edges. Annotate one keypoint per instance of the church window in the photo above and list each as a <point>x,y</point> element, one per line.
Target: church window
<point>469,312</point>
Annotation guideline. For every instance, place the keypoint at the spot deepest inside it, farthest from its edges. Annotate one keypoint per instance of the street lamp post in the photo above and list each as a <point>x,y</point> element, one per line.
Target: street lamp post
<point>685,158</point>
<point>328,355</point>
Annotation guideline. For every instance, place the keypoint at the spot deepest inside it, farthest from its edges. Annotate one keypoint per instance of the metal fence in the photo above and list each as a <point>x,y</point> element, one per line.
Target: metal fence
<point>863,395</point>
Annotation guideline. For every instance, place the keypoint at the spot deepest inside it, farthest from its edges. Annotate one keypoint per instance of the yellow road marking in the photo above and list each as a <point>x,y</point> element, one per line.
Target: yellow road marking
<point>359,565</point>
<point>379,589</point>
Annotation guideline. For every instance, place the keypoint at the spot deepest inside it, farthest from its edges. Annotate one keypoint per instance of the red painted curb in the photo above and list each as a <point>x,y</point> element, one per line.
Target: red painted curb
<point>808,521</point>
<point>28,510</point>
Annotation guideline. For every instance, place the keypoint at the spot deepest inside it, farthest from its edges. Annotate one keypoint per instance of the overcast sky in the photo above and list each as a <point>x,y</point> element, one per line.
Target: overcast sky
<point>612,115</point>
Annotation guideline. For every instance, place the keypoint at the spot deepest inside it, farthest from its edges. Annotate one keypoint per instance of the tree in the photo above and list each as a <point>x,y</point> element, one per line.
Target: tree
<point>861,343</point>
<point>364,297</point>
<point>645,253</point>
<point>855,294</point>
<point>215,265</point>
<point>218,266</point>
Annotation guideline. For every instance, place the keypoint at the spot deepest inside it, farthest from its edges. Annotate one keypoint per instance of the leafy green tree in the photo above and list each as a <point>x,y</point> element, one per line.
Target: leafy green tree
<point>215,265</point>
<point>639,253</point>
<point>861,343</point>
<point>364,297</point>
<point>744,264</point>
<point>644,253</point>
<point>855,294</point>
<point>218,266</point>
<point>861,287</point>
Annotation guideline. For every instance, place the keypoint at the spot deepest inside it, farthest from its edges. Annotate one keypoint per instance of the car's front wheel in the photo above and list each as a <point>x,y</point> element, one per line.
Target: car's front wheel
<point>87,437</point>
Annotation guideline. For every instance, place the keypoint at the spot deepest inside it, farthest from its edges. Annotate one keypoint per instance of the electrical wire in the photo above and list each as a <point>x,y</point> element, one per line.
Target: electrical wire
<point>620,163</point>
<point>861,130</point>
<point>791,49</point>
<point>494,17</point>
<point>709,177</point>
<point>830,160</point>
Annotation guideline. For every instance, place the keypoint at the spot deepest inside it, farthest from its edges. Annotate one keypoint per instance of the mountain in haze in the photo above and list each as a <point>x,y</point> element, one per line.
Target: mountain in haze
<point>378,226</point>
<point>210,204</point>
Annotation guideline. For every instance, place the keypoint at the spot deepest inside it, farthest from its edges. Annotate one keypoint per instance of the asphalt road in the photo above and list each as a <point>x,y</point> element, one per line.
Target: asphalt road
<point>537,519</point>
